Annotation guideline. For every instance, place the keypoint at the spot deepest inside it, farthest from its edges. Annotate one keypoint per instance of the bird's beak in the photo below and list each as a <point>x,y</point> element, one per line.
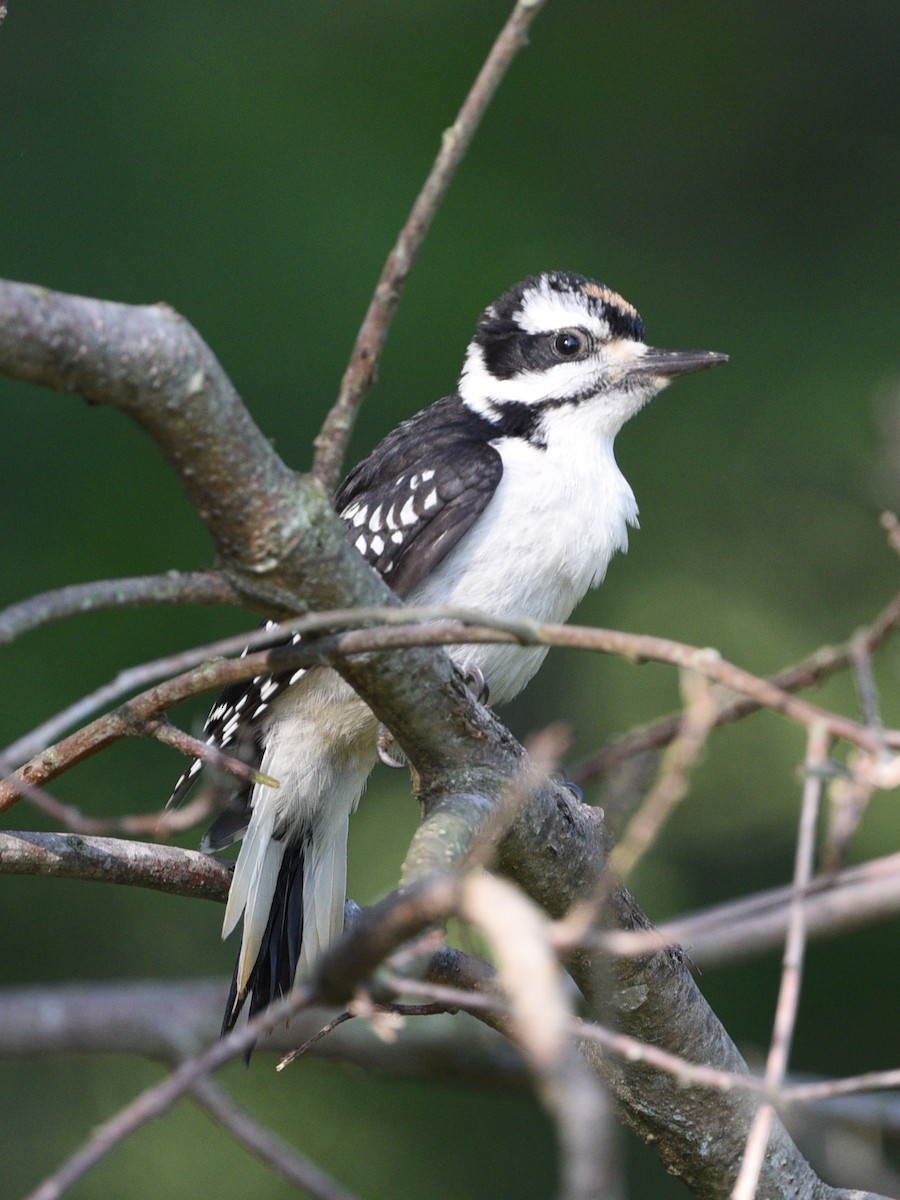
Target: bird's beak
<point>674,362</point>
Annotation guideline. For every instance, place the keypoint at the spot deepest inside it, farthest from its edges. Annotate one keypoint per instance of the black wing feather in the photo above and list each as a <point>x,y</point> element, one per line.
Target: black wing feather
<point>404,507</point>
<point>410,502</point>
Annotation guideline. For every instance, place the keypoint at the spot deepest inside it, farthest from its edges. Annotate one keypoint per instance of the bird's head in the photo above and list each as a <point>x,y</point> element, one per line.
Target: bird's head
<point>558,340</point>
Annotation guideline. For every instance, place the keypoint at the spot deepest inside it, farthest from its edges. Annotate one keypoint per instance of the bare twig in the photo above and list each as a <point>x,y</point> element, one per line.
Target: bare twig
<point>540,1018</point>
<point>540,1030</point>
<point>812,670</point>
<point>332,440</point>
<point>161,730</point>
<point>850,1085</point>
<point>283,1159</point>
<point>328,1028</point>
<point>154,1101</point>
<point>734,932</point>
<point>459,628</point>
<point>174,587</point>
<point>792,967</point>
<point>155,825</point>
<point>672,781</point>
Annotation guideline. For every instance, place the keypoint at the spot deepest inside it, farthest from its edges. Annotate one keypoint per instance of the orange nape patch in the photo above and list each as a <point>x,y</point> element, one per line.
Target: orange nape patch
<point>609,297</point>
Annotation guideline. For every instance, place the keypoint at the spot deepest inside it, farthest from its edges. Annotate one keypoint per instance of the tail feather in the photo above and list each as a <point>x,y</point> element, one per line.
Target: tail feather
<point>254,847</point>
<point>292,897</point>
<point>272,974</point>
<point>324,889</point>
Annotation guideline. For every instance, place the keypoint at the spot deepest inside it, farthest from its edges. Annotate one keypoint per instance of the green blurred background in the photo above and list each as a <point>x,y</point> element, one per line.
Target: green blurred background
<point>733,170</point>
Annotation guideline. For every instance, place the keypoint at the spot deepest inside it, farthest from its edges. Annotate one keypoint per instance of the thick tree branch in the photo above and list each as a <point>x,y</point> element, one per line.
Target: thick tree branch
<point>284,549</point>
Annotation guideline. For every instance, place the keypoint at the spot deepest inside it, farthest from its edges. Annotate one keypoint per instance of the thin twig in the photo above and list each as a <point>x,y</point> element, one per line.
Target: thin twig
<point>792,967</point>
<point>440,630</point>
<point>359,376</point>
<point>326,1029</point>
<point>159,826</point>
<point>672,782</point>
<point>280,1157</point>
<point>161,730</point>
<point>850,1085</point>
<point>808,673</point>
<point>741,929</point>
<point>154,1101</point>
<point>173,587</point>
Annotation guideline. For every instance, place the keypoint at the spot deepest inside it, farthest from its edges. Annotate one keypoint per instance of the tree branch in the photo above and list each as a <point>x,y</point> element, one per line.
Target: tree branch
<point>811,671</point>
<point>174,587</point>
<point>114,860</point>
<point>282,1158</point>
<point>331,442</point>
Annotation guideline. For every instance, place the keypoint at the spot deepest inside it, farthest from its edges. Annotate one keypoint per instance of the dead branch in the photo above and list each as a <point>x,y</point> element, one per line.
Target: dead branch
<point>174,587</point>
<point>283,1159</point>
<point>791,971</point>
<point>742,929</point>
<point>822,663</point>
<point>331,441</point>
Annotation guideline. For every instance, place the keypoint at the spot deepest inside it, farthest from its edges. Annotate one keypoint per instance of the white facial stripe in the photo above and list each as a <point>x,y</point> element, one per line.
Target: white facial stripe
<point>478,387</point>
<point>544,310</point>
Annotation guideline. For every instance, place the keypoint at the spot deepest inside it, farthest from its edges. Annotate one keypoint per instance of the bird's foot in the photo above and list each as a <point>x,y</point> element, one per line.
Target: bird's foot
<point>384,743</point>
<point>474,677</point>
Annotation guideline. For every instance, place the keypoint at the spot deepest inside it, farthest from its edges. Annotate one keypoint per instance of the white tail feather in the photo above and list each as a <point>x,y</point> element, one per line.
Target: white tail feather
<point>252,891</point>
<point>253,847</point>
<point>321,781</point>
<point>324,889</point>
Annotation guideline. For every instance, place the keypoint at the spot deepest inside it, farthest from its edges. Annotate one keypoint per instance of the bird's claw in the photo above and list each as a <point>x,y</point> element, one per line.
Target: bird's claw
<point>474,677</point>
<point>383,744</point>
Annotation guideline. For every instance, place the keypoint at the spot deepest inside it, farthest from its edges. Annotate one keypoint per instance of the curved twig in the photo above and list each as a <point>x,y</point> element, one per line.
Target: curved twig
<point>359,376</point>
<point>434,631</point>
<point>173,587</point>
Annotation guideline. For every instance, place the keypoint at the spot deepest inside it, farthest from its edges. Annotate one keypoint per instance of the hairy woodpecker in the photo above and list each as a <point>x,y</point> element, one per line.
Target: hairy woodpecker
<point>503,497</point>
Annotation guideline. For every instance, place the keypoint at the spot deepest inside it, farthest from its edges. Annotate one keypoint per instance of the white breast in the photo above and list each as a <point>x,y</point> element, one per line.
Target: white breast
<point>558,516</point>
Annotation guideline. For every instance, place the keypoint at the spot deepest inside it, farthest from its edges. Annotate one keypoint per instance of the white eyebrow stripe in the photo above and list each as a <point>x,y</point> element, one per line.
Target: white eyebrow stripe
<point>543,310</point>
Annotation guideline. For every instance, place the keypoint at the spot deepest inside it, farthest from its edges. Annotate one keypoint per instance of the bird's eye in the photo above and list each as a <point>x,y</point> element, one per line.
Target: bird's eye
<point>568,343</point>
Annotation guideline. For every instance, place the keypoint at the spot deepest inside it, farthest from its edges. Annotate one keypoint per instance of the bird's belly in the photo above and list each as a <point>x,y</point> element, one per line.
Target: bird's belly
<point>504,569</point>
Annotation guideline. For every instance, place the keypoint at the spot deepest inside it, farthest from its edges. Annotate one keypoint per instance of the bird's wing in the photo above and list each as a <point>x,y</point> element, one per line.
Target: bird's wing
<point>404,508</point>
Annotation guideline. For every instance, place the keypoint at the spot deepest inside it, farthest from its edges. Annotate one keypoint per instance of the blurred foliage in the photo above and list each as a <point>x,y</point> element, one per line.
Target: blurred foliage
<point>734,171</point>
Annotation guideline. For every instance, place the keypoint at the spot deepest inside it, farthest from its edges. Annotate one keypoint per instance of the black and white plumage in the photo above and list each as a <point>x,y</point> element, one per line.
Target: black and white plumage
<point>504,497</point>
